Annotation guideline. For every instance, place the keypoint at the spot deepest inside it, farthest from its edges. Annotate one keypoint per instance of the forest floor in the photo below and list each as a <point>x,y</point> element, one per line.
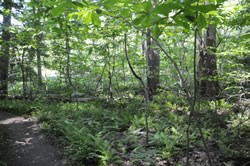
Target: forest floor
<point>108,136</point>
<point>23,143</point>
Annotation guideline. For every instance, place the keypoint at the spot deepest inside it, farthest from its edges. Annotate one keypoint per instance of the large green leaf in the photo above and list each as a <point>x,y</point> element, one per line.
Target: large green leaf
<point>245,36</point>
<point>147,6</point>
<point>156,31</point>
<point>188,2</point>
<point>125,13</point>
<point>201,22</point>
<point>87,17</point>
<point>165,9</point>
<point>145,20</point>
<point>138,20</point>
<point>57,11</point>
<point>95,19</point>
<point>189,16</point>
<point>79,4</point>
<point>144,7</point>
<point>181,21</point>
<point>205,8</point>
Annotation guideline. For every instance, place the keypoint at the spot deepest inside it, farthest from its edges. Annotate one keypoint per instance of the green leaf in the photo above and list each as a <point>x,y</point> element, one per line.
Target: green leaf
<point>108,2</point>
<point>87,17</point>
<point>138,20</point>
<point>156,31</point>
<point>188,2</point>
<point>181,22</point>
<point>95,19</point>
<point>201,22</point>
<point>144,7</point>
<point>165,9</point>
<point>147,6</point>
<point>205,8</point>
<point>220,1</point>
<point>125,13</point>
<point>79,4</point>
<point>139,155</point>
<point>190,18</point>
<point>245,36</point>
<point>57,11</point>
<point>147,20</point>
<point>189,15</point>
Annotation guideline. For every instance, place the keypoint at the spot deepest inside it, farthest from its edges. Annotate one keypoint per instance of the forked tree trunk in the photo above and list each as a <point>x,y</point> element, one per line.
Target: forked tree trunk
<point>5,52</point>
<point>207,66</point>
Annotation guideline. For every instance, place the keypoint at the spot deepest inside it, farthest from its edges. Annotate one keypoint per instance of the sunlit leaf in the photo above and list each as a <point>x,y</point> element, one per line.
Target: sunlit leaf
<point>95,19</point>
<point>125,13</point>
<point>87,17</point>
<point>165,9</point>
<point>57,11</point>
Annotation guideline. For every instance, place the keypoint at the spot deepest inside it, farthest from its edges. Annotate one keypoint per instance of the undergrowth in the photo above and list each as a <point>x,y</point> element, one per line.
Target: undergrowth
<point>114,133</point>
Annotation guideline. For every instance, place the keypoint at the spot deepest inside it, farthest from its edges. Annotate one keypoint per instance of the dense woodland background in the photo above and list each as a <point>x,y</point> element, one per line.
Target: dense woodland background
<point>132,82</point>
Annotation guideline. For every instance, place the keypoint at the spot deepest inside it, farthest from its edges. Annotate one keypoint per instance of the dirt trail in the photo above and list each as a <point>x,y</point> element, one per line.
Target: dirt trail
<point>24,143</point>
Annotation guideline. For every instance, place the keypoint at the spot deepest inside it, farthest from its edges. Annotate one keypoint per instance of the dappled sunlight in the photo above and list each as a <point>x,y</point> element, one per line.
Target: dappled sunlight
<point>26,141</point>
<point>11,121</point>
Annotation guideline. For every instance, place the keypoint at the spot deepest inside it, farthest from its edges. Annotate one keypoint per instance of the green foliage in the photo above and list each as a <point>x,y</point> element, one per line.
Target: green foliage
<point>96,135</point>
<point>113,132</point>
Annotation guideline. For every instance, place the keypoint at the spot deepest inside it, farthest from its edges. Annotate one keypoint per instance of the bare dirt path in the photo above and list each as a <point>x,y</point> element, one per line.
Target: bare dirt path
<point>24,143</point>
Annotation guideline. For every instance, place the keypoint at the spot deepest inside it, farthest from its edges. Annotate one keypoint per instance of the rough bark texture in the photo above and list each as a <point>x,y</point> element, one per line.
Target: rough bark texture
<point>207,67</point>
<point>153,61</point>
<point>4,56</point>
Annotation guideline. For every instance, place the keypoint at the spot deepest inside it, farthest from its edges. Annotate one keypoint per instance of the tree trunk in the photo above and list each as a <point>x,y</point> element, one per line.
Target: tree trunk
<point>38,49</point>
<point>153,62</point>
<point>39,66</point>
<point>67,51</point>
<point>4,56</point>
<point>207,67</point>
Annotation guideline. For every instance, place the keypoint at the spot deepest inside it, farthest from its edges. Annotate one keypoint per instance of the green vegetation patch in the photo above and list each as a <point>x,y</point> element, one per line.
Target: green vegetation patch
<point>104,134</point>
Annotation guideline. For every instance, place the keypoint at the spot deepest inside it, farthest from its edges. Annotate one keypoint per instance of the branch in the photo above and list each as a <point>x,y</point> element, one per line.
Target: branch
<point>144,87</point>
<point>129,63</point>
<point>182,86</point>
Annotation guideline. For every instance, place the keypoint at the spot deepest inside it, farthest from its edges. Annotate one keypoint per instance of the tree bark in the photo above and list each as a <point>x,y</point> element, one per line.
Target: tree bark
<point>4,56</point>
<point>207,66</point>
<point>38,49</point>
<point>67,51</point>
<point>153,62</point>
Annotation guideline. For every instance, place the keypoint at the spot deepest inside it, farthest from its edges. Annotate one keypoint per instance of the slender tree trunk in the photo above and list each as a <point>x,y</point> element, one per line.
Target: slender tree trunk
<point>207,67</point>
<point>39,66</point>
<point>67,51</point>
<point>24,78</point>
<point>153,62</point>
<point>4,56</point>
<point>38,50</point>
<point>110,75</point>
